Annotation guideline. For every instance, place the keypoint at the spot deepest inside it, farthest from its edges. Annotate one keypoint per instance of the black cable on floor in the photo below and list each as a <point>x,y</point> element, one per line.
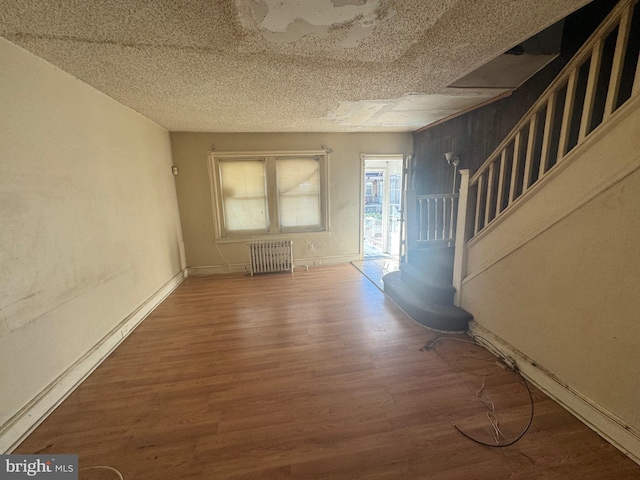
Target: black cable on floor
<point>507,362</point>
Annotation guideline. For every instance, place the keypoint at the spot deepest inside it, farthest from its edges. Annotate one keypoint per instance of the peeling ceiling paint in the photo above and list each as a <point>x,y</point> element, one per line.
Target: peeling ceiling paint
<point>286,21</point>
<point>280,65</point>
<point>317,12</point>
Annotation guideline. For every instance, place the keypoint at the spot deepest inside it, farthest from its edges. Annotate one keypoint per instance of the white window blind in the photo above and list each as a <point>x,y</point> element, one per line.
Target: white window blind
<point>259,194</point>
<point>244,195</point>
<point>299,193</point>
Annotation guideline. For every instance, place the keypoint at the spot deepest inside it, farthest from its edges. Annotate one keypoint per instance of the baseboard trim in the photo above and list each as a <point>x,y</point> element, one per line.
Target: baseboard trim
<point>18,427</point>
<point>244,267</point>
<point>610,427</point>
<point>217,269</point>
<point>321,261</point>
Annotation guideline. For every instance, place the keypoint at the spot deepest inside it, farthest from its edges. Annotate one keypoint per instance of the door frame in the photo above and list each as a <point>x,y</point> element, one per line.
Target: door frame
<point>364,157</point>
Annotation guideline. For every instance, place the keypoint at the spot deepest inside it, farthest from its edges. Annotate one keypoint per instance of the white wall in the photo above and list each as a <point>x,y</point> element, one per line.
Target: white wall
<point>559,278</point>
<point>89,222</point>
<point>191,151</point>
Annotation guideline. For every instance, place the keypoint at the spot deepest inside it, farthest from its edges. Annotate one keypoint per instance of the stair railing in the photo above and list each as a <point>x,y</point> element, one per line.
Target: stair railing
<point>602,76</point>
<point>437,218</point>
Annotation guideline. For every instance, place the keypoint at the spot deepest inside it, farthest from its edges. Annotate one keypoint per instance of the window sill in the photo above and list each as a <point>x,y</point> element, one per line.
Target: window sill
<point>255,238</point>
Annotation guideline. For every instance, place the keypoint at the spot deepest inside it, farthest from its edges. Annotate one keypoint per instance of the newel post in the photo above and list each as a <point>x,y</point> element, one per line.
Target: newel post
<point>460,257</point>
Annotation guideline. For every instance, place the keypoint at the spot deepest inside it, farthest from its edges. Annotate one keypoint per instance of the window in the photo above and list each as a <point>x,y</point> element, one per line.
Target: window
<point>244,195</point>
<point>269,194</point>
<point>299,193</point>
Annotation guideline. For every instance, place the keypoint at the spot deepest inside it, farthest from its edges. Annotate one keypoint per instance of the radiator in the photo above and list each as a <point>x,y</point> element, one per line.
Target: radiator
<point>271,256</point>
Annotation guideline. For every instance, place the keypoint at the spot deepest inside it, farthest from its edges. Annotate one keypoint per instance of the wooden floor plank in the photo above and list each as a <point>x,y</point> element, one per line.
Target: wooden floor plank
<point>311,375</point>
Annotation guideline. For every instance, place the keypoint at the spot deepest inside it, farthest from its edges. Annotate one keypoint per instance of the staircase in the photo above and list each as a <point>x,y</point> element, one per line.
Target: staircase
<point>423,289</point>
<point>603,75</point>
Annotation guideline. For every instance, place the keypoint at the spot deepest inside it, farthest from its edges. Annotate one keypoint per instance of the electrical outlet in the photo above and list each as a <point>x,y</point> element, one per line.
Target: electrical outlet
<point>311,247</point>
<point>317,263</point>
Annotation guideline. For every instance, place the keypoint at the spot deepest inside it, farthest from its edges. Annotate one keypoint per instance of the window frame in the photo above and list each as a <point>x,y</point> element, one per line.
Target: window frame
<point>273,208</point>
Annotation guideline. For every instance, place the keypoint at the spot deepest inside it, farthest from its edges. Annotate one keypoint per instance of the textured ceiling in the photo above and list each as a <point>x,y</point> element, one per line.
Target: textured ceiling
<point>280,65</point>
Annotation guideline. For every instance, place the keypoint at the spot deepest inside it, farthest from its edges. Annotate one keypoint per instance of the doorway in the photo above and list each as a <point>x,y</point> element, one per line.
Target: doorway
<point>381,215</point>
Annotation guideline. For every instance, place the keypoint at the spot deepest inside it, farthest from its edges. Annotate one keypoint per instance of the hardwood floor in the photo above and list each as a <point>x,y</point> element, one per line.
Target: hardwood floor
<point>314,375</point>
<point>375,268</point>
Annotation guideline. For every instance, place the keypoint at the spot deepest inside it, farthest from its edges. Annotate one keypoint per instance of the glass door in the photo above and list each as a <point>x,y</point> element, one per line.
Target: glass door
<point>374,231</point>
<point>382,205</point>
